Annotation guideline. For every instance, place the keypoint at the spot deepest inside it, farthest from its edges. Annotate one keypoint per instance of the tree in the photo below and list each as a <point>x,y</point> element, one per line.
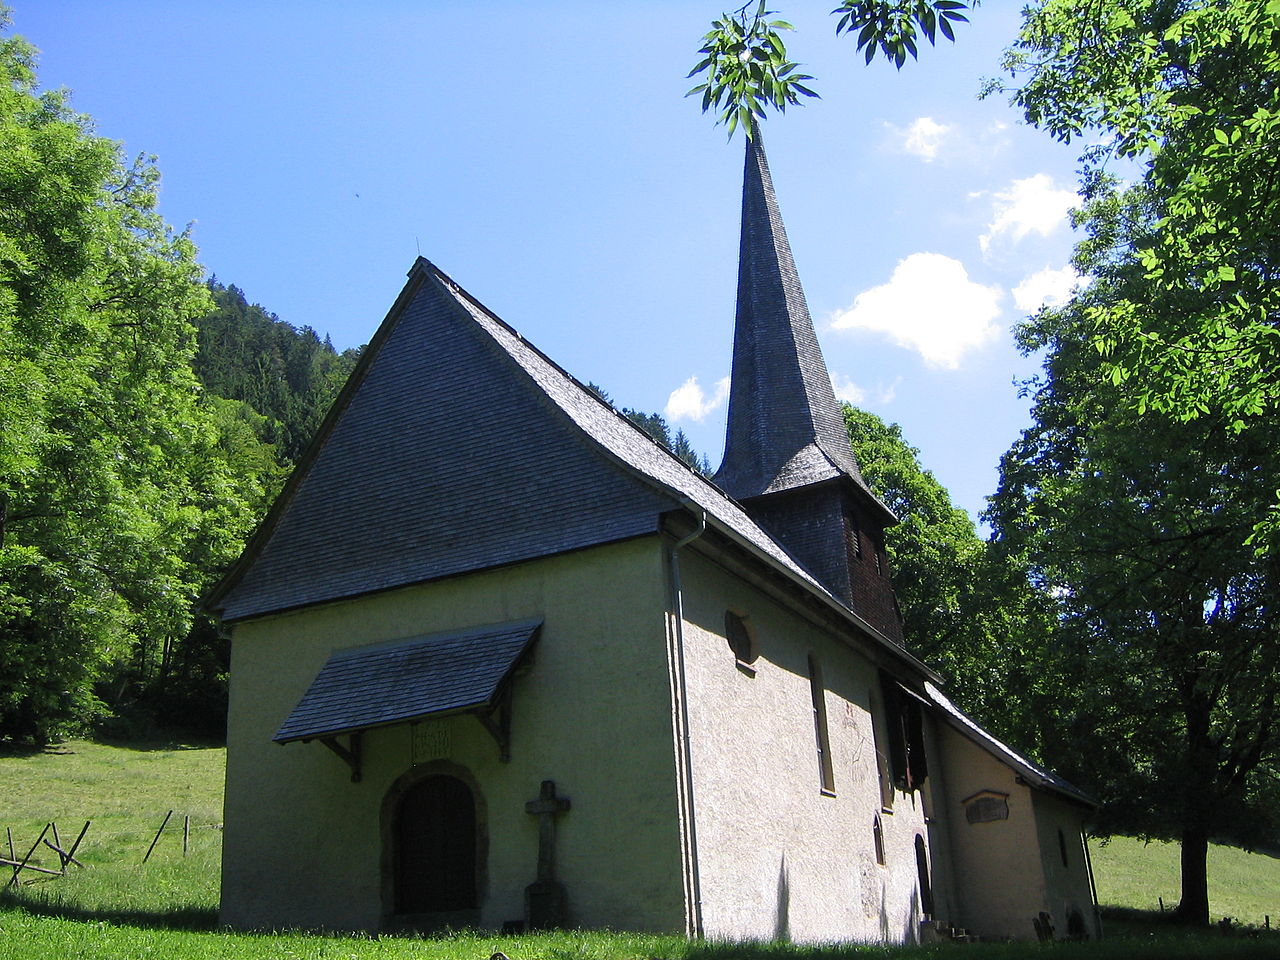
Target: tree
<point>655,425</point>
<point>968,608</point>
<point>1167,637</point>
<point>748,69</point>
<point>285,373</point>
<point>110,505</point>
<point>1189,91</point>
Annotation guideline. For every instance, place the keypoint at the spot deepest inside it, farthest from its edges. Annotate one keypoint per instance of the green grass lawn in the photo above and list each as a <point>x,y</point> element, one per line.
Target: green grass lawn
<point>125,792</point>
<point>1135,875</point>
<point>119,908</point>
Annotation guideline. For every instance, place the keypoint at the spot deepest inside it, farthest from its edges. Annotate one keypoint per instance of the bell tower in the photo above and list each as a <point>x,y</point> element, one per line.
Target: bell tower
<point>787,458</point>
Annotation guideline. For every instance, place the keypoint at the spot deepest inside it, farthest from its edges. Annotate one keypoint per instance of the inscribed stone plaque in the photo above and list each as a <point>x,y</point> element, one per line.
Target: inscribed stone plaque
<point>432,740</point>
<point>987,809</point>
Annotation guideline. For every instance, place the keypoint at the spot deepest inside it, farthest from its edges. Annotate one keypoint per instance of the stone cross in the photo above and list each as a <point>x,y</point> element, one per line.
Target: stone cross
<point>545,809</point>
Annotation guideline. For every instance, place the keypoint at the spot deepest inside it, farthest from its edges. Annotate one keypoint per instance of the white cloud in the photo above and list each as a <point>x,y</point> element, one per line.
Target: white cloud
<point>923,138</point>
<point>1030,205</point>
<point>931,306</point>
<point>688,402</point>
<point>1046,288</point>
<point>848,391</point>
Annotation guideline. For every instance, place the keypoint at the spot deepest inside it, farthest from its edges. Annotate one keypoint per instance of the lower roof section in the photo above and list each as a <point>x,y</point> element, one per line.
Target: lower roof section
<point>408,680</point>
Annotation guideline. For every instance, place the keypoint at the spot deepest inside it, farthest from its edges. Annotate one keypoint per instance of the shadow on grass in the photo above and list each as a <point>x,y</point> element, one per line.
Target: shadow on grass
<point>162,744</point>
<point>180,918</point>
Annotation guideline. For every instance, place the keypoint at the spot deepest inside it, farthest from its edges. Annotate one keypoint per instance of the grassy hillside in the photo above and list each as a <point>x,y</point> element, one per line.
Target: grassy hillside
<point>125,792</point>
<point>1133,874</point>
<point>119,907</point>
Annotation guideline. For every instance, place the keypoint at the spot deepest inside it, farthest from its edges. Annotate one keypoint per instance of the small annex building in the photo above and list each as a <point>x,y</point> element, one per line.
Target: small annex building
<point>498,659</point>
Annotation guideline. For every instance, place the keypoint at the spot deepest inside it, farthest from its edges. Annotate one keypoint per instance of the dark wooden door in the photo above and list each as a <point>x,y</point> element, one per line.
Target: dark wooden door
<point>436,847</point>
<point>922,869</point>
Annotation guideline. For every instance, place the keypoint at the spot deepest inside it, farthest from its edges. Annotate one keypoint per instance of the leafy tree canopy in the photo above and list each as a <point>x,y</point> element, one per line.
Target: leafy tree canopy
<point>1135,526</point>
<point>748,69</point>
<point>117,494</point>
<point>1190,91</point>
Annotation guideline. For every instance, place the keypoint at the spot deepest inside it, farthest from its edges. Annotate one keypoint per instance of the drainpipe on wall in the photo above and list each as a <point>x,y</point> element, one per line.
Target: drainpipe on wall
<point>692,879</point>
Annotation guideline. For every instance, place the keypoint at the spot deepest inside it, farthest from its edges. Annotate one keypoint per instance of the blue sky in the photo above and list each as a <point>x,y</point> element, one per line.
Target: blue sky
<point>544,156</point>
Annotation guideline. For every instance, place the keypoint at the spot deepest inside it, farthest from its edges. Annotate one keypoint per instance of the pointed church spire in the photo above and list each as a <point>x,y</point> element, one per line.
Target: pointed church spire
<point>785,428</point>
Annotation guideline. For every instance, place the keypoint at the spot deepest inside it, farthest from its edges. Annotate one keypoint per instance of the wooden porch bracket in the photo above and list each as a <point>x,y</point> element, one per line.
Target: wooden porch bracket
<point>497,720</point>
<point>350,755</point>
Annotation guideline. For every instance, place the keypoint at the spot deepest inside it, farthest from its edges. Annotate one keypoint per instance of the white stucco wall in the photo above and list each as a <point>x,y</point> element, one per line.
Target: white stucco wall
<point>1067,886</point>
<point>303,845</point>
<point>999,880</point>
<point>777,856</point>
<point>1007,871</point>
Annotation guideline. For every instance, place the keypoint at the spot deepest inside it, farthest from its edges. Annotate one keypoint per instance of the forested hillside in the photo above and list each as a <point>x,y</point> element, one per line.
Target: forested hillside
<point>126,488</point>
<point>286,374</point>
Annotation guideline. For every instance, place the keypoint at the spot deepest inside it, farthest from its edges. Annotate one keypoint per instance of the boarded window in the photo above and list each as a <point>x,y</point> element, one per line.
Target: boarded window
<point>986,808</point>
<point>818,694</point>
<point>904,715</point>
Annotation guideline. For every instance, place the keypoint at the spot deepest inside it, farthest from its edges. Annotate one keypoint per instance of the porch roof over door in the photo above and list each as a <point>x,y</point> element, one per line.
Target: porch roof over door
<point>409,680</point>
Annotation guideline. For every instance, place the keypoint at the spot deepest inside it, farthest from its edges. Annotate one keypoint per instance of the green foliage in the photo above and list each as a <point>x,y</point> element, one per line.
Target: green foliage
<point>968,609</point>
<point>1191,92</point>
<point>286,374</point>
<point>122,486</point>
<point>747,68</point>
<point>1136,526</point>
<point>892,26</point>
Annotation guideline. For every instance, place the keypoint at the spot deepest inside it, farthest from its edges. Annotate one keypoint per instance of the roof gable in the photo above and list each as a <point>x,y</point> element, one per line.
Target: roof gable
<point>441,456</point>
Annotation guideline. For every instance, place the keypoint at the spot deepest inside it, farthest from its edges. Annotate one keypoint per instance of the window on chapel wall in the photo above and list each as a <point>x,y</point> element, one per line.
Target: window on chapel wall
<point>852,536</point>
<point>883,769</point>
<point>904,717</point>
<point>818,695</point>
<point>741,637</point>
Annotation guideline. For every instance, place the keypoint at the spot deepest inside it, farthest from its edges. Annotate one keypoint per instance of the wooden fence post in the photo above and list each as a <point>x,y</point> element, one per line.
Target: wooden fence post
<point>157,836</point>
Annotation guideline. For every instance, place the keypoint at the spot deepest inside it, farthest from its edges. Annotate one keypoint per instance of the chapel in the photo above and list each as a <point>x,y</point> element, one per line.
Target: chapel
<point>500,661</point>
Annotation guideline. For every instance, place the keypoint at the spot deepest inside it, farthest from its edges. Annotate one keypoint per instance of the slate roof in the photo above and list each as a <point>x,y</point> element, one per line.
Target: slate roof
<point>439,457</point>
<point>532,463</point>
<point>1033,775</point>
<point>407,680</point>
<point>785,428</point>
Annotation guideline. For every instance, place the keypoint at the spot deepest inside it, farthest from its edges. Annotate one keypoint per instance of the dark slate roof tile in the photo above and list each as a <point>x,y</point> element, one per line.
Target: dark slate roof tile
<point>442,459</point>
<point>785,428</point>
<point>520,461</point>
<point>407,680</point>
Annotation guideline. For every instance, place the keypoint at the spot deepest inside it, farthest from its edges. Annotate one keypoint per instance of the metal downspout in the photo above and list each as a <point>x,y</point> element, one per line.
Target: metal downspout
<point>686,756</point>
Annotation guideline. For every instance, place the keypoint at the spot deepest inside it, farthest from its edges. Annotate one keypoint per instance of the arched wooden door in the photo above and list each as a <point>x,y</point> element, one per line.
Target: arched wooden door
<point>922,871</point>
<point>435,847</point>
